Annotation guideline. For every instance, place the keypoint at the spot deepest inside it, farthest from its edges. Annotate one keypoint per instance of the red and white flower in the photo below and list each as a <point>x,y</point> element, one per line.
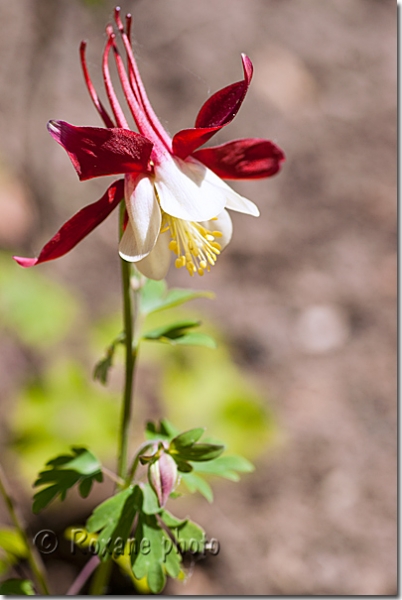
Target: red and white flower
<point>174,192</point>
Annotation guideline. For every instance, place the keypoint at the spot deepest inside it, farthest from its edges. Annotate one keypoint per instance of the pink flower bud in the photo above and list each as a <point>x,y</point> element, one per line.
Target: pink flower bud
<point>162,475</point>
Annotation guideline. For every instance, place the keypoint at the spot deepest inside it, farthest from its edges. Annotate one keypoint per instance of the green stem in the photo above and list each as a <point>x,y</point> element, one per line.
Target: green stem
<point>101,578</point>
<point>33,557</point>
<point>130,317</point>
<point>136,460</point>
<point>120,482</point>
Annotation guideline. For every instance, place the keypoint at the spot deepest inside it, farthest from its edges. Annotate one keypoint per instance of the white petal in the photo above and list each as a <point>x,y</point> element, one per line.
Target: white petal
<point>144,218</point>
<point>156,264</point>
<point>223,223</point>
<point>241,204</point>
<point>233,200</point>
<point>128,245</point>
<point>185,191</point>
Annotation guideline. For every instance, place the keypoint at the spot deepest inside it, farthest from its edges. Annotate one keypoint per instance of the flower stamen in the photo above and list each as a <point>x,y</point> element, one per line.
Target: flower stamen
<point>193,244</point>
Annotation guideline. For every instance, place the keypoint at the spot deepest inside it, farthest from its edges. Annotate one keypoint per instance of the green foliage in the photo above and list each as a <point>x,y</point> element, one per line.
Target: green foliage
<point>102,367</point>
<point>183,447</point>
<point>150,504</point>
<point>155,296</point>
<point>159,540</point>
<point>197,452</point>
<point>194,460</point>
<point>151,560</point>
<point>64,472</point>
<point>188,438</point>
<point>12,548</point>
<point>163,430</point>
<point>17,587</point>
<point>162,554</point>
<point>177,333</point>
<point>113,519</point>
<point>57,410</point>
<point>226,466</point>
<point>39,311</point>
<point>195,483</point>
<point>198,386</point>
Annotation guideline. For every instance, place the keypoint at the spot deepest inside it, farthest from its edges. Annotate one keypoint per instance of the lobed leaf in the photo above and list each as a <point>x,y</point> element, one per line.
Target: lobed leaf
<point>113,519</point>
<point>194,339</point>
<point>159,431</point>
<point>195,483</point>
<point>151,562</point>
<point>197,452</point>
<point>226,466</point>
<point>150,504</point>
<point>155,297</point>
<point>102,367</point>
<point>64,472</point>
<point>188,438</point>
<point>172,330</point>
<point>188,536</point>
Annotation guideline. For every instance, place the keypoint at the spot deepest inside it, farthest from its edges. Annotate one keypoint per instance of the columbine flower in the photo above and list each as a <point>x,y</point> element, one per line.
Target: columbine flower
<point>175,196</point>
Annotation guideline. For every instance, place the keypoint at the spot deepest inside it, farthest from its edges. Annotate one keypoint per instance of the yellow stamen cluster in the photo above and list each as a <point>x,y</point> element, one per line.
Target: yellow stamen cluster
<point>194,246</point>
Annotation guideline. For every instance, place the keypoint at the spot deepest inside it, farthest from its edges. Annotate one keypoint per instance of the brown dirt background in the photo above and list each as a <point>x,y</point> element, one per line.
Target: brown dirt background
<point>306,293</point>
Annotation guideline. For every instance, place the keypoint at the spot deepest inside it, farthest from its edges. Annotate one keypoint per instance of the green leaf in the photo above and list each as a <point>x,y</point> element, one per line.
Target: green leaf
<point>226,466</point>
<point>102,367</point>
<point>85,487</point>
<point>161,555</point>
<point>170,520</point>
<point>114,520</point>
<point>177,333</point>
<point>12,542</point>
<point>197,452</point>
<point>150,504</point>
<point>159,431</point>
<point>151,559</point>
<point>190,537</point>
<point>193,339</point>
<point>172,330</point>
<point>182,465</point>
<point>17,587</point>
<point>178,296</point>
<point>188,438</point>
<point>82,461</point>
<point>12,548</point>
<point>196,483</point>
<point>154,296</point>
<point>63,472</point>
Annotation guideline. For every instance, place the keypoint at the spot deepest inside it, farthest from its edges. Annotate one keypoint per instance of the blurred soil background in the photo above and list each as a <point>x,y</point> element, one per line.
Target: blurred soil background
<point>305,295</point>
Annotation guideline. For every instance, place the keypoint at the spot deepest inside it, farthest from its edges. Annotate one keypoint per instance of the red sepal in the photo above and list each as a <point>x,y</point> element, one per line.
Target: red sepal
<point>96,151</point>
<point>219,110</point>
<point>242,159</point>
<point>78,227</point>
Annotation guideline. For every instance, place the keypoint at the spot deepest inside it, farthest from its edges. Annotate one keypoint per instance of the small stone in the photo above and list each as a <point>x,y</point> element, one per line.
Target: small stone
<point>321,328</point>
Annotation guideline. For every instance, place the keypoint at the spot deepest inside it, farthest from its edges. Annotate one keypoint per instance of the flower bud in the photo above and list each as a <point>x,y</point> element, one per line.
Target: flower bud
<point>162,475</point>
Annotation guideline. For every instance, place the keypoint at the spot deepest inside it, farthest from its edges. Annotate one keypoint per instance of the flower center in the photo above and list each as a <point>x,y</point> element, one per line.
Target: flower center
<point>194,246</point>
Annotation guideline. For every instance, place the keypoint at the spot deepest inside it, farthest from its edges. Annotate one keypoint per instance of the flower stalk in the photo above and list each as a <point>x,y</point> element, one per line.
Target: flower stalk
<point>130,358</point>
